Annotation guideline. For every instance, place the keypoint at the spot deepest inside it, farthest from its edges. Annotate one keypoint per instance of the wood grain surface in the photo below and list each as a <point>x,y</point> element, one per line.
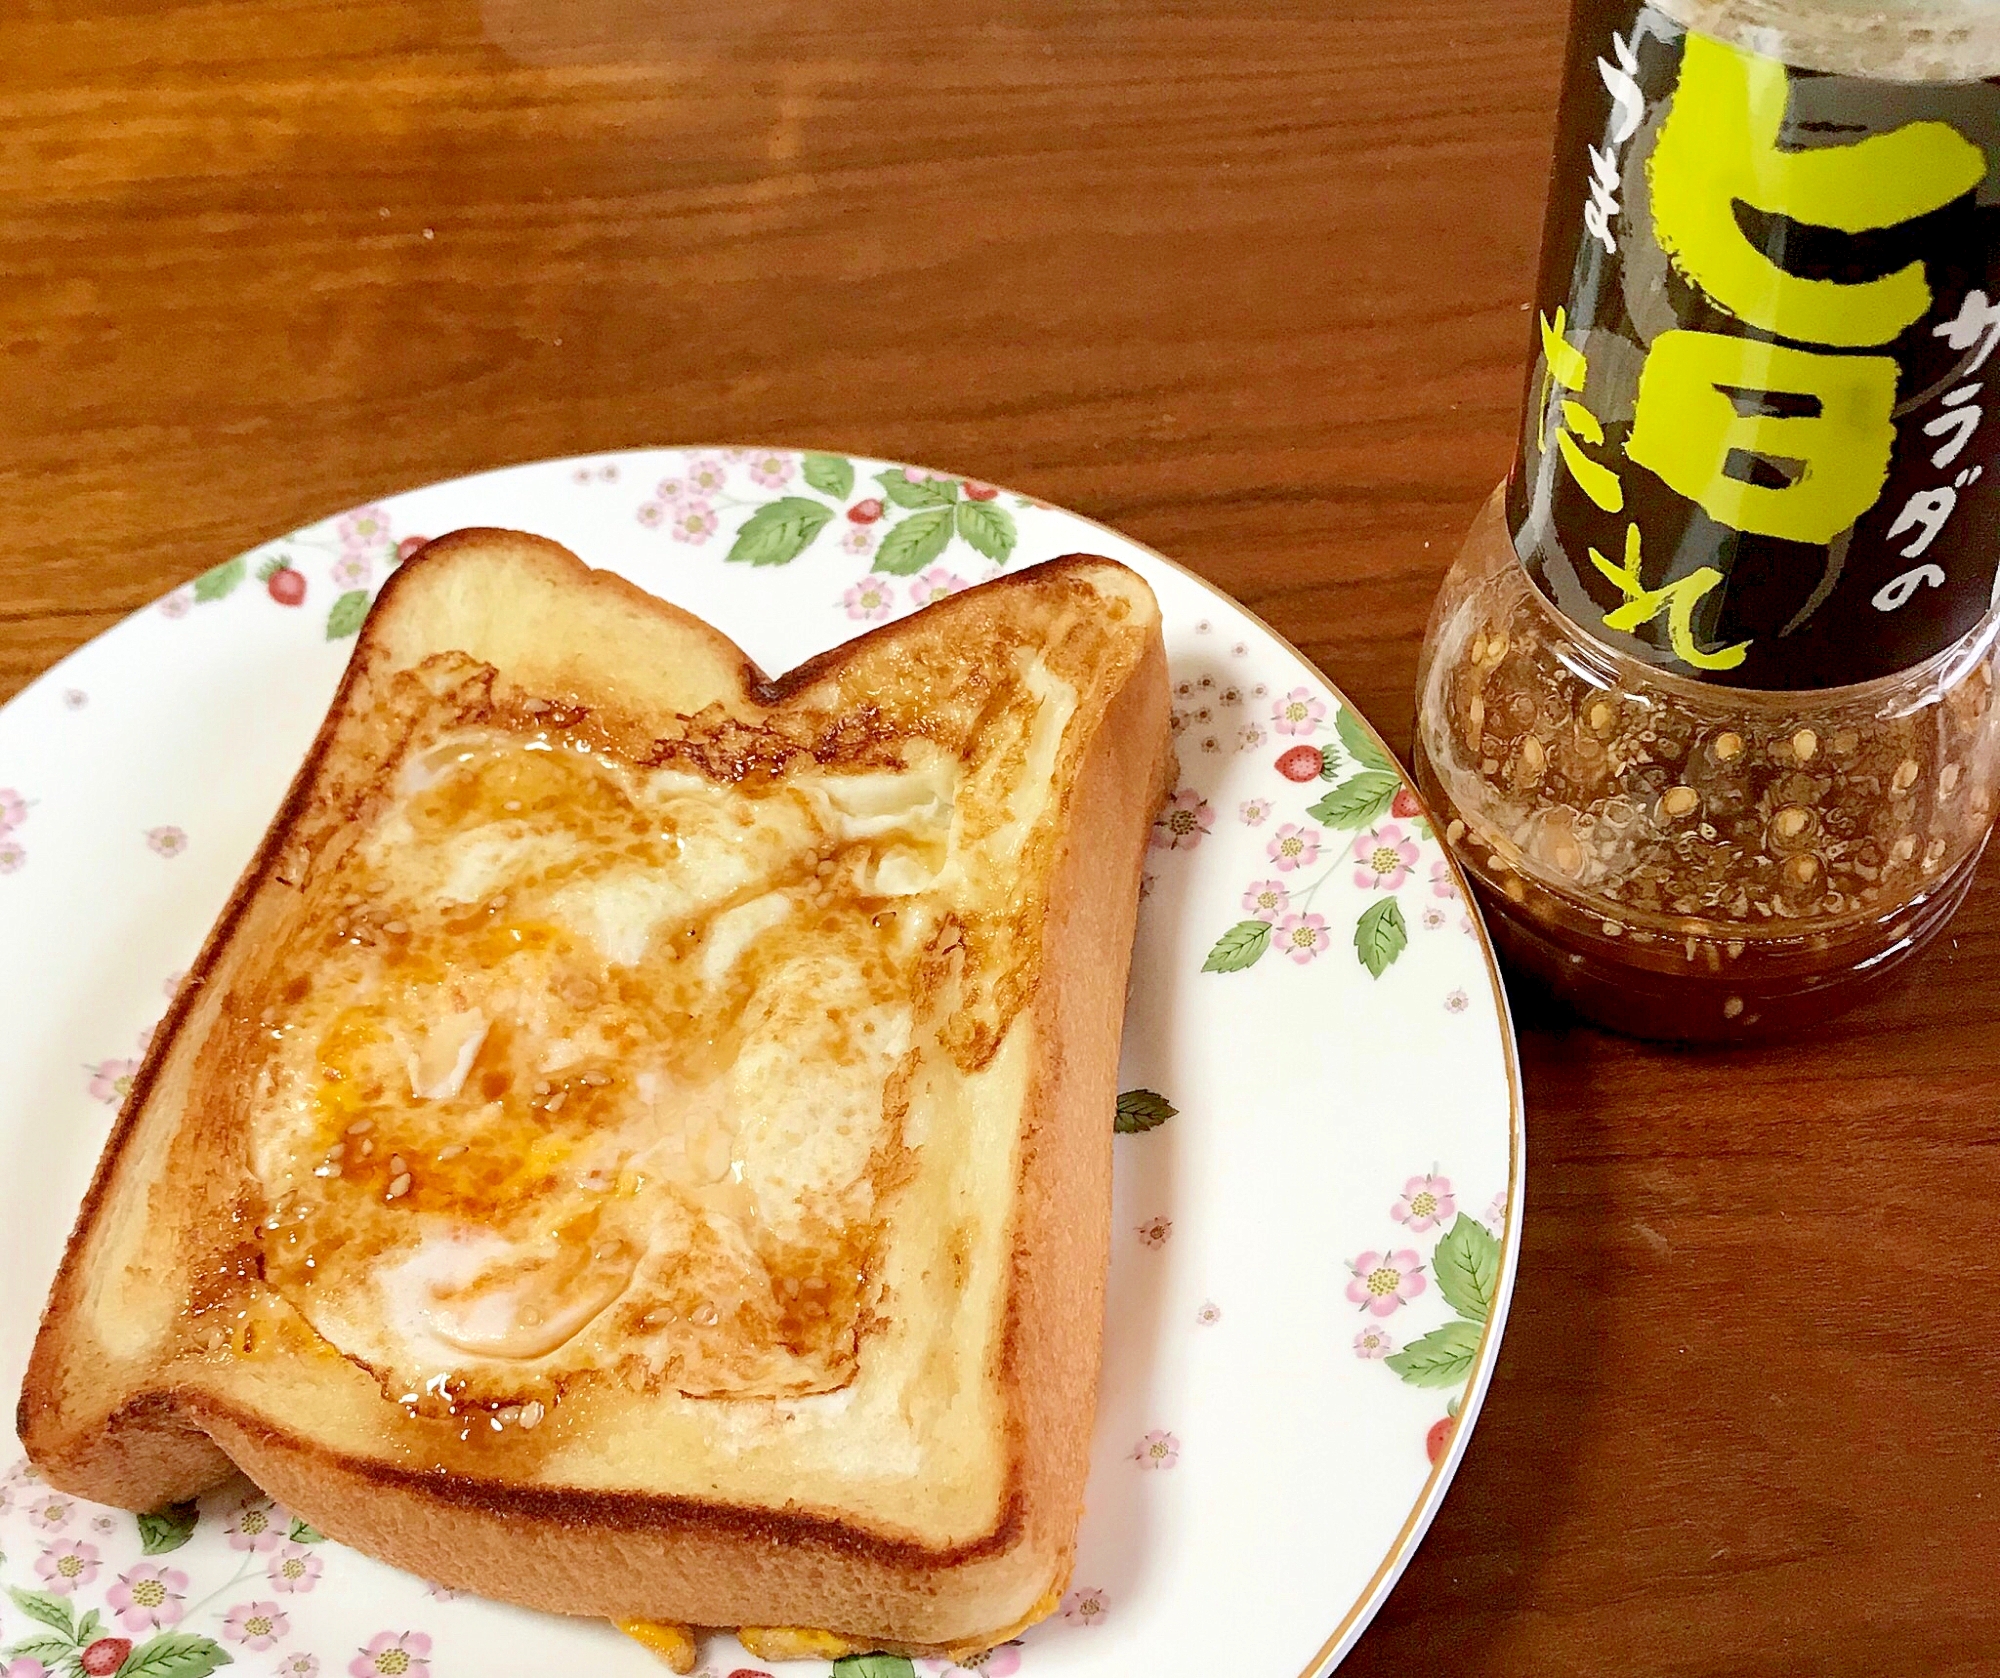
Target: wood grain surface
<point>1248,282</point>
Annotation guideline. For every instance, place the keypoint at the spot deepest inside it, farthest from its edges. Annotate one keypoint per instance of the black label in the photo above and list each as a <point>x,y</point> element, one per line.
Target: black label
<point>1757,448</point>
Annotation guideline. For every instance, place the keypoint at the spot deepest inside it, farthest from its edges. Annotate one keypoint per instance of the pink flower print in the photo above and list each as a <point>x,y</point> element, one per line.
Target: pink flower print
<point>351,571</point>
<point>51,1512</point>
<point>1294,847</point>
<point>773,471</point>
<point>1183,822</point>
<point>1146,884</point>
<point>178,604</point>
<point>26,1667</point>
<point>171,985</point>
<point>706,476</point>
<point>1002,1662</point>
<point>440,1593</point>
<point>300,1665</point>
<point>1154,1232</point>
<point>1496,1214</point>
<point>1433,916</point>
<point>672,491</point>
<point>1456,1002</point>
<point>694,522</point>
<point>256,1625</point>
<point>1384,1282</point>
<point>255,1526</point>
<point>1298,713</point>
<point>1442,883</point>
<point>859,539</point>
<point>1086,1607</point>
<point>581,475</point>
<point>607,474</point>
<point>148,1598</point>
<point>13,809</point>
<point>1254,812</point>
<point>651,514</point>
<point>168,841</point>
<point>74,699</point>
<point>1266,900</point>
<point>935,584</point>
<point>11,856</point>
<point>1302,937</point>
<point>1157,1450</point>
<point>1373,1342</point>
<point>111,1081</point>
<point>1385,856</point>
<point>1426,1202</point>
<point>101,1523</point>
<point>293,1570</point>
<point>1209,1315</point>
<point>393,1654</point>
<point>64,1566</point>
<point>870,598</point>
<point>1249,738</point>
<point>919,474</point>
<point>365,527</point>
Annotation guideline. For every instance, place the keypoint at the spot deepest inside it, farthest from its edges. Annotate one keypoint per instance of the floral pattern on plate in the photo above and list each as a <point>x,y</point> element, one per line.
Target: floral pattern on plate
<point>1290,833</point>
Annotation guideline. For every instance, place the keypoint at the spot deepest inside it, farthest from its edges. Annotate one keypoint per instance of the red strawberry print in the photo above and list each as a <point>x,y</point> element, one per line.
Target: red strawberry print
<point>409,545</point>
<point>1300,763</point>
<point>107,1654</point>
<point>749,1672</point>
<point>862,512</point>
<point>979,492</point>
<point>288,587</point>
<point>1439,1436</point>
<point>1405,804</point>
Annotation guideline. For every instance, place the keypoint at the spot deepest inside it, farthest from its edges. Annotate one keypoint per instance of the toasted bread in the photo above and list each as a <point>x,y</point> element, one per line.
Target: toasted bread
<point>637,1142</point>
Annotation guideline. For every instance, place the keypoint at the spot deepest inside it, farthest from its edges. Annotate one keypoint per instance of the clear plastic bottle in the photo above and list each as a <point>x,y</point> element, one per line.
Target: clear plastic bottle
<point>1681,852</point>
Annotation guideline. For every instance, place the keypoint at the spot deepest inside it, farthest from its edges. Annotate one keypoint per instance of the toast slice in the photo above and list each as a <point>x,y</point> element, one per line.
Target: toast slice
<point>637,1142</point>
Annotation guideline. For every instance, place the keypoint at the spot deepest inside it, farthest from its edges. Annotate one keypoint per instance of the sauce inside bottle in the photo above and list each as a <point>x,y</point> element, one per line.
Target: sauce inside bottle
<point>1706,703</point>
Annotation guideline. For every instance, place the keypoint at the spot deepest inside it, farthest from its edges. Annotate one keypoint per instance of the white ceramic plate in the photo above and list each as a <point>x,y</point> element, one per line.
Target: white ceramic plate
<point>1316,1202</point>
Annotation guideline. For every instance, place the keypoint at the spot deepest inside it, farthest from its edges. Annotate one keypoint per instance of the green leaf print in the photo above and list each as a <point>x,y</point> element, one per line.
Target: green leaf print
<point>914,543</point>
<point>222,579</point>
<point>1380,936</point>
<point>167,1528</point>
<point>343,617</point>
<point>1360,743</point>
<point>47,1648</point>
<point>300,1533</point>
<point>50,1610</point>
<point>1442,1358</point>
<point>927,492</point>
<point>1142,1110</point>
<point>1467,1267</point>
<point>830,474</point>
<point>1239,947</point>
<point>1358,800</point>
<point>89,1626</point>
<point>778,533</point>
<point>175,1654</point>
<point>989,528</point>
<point>874,1666</point>
<point>1329,761</point>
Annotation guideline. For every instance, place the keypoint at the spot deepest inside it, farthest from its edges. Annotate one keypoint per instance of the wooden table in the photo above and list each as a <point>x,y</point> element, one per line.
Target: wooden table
<point>1248,282</point>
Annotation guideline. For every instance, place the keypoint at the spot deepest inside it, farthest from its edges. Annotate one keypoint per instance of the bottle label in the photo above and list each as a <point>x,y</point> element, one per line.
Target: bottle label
<point>1757,448</point>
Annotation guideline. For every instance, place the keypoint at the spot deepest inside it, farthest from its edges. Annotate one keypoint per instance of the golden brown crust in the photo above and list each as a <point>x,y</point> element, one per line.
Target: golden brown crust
<point>110,1424</point>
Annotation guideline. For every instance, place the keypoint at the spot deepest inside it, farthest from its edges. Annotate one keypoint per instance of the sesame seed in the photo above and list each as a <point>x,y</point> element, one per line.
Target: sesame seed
<point>1804,744</point>
<point>396,1166</point>
<point>531,1412</point>
<point>452,1151</point>
<point>367,1146</point>
<point>554,1103</point>
<point>361,1127</point>
<point>705,1314</point>
<point>597,1080</point>
<point>541,1086</point>
<point>399,1186</point>
<point>396,929</point>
